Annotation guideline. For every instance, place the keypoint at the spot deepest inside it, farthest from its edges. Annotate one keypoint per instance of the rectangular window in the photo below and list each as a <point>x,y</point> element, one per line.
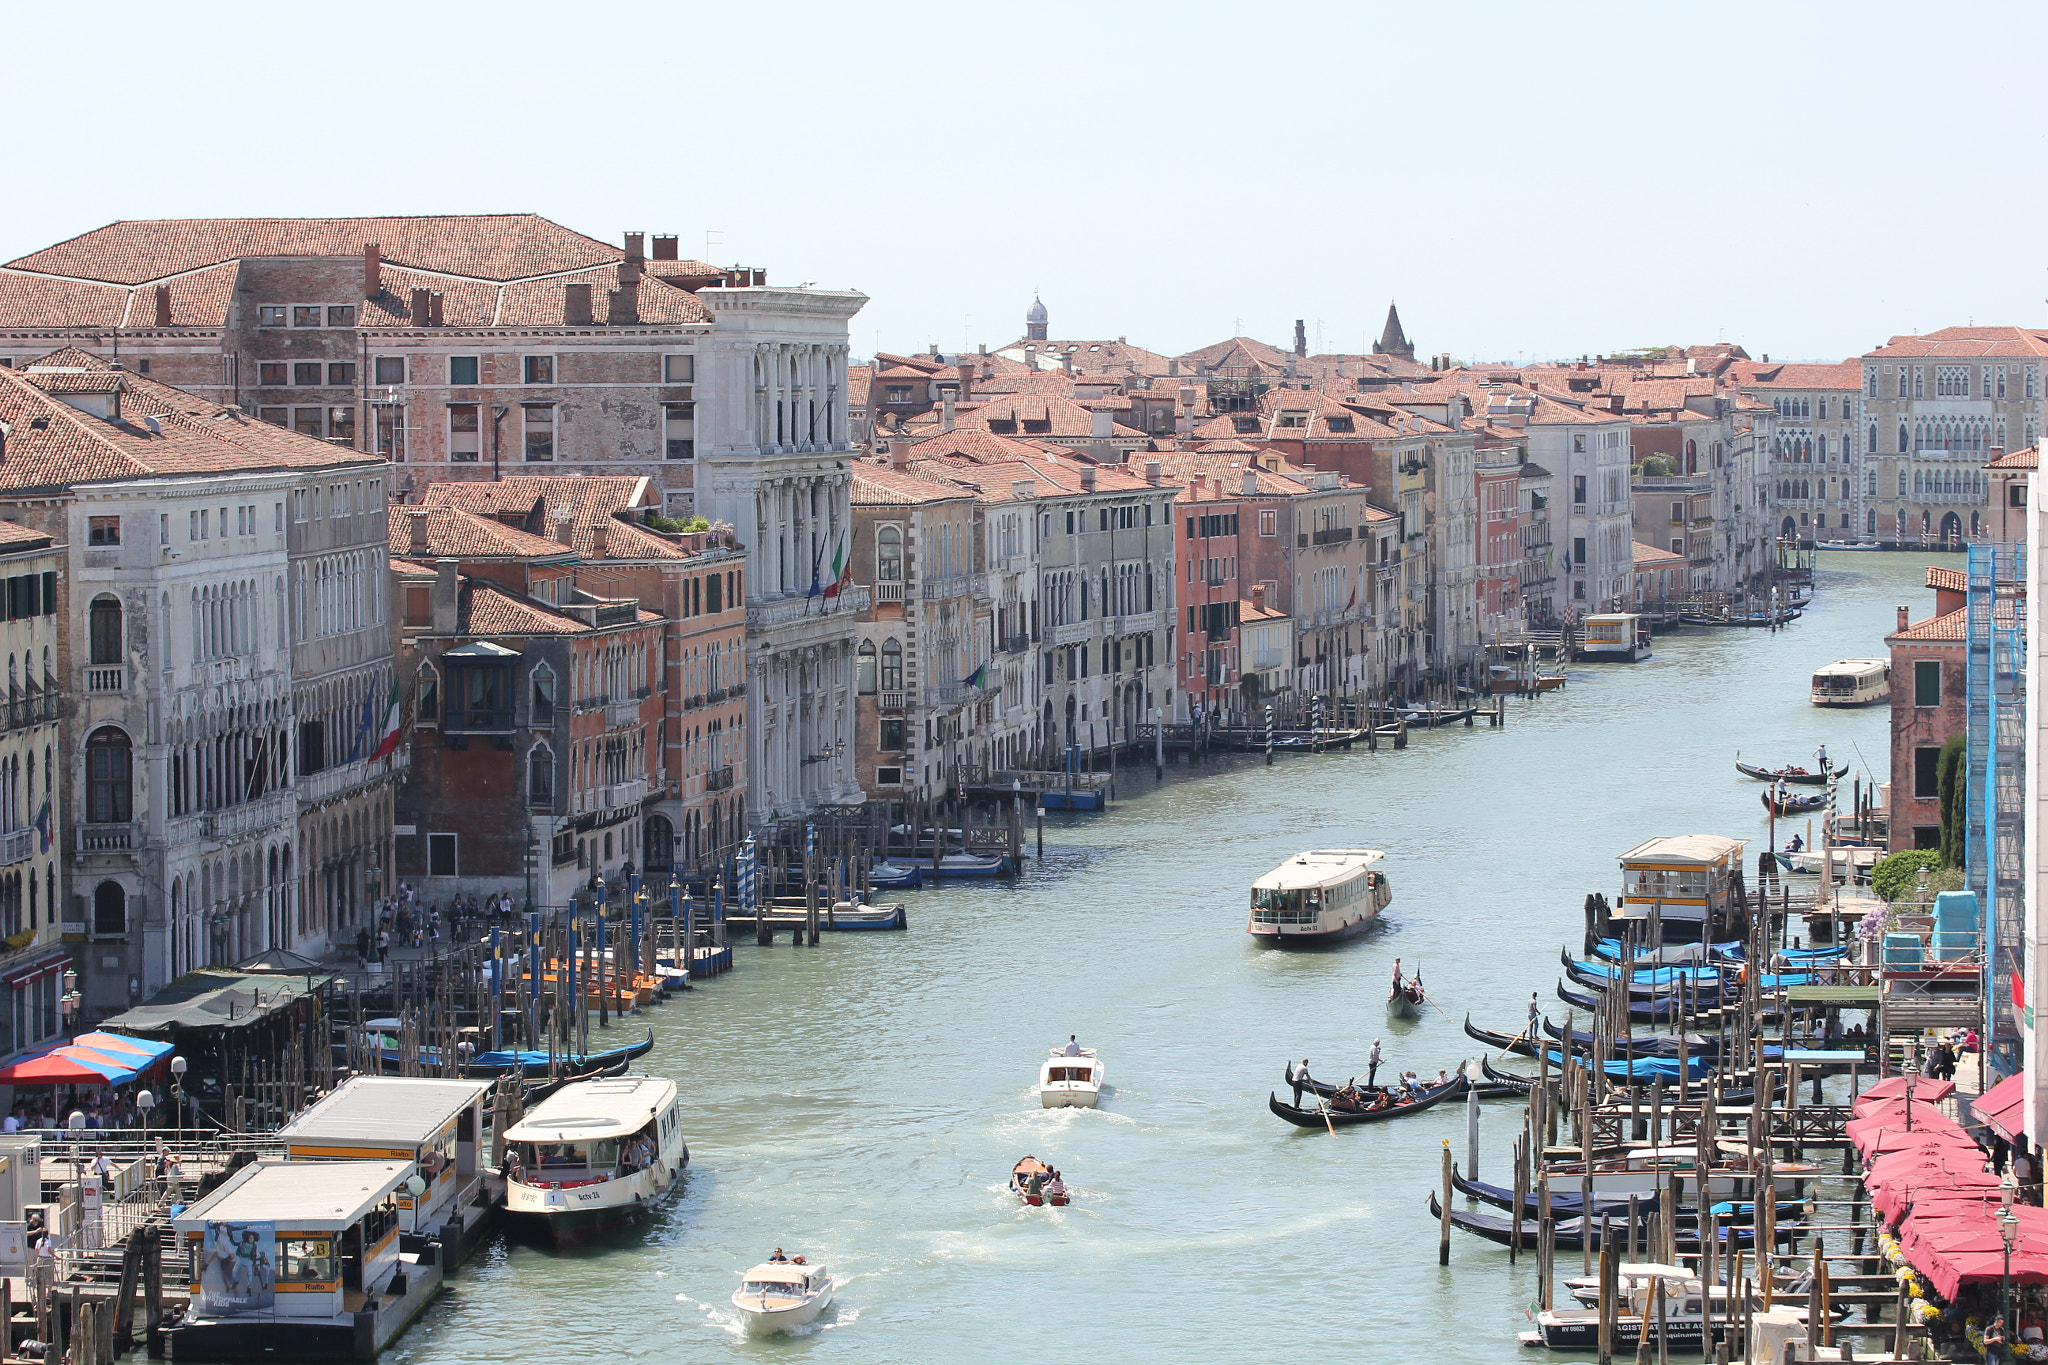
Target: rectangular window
<point>889,777</point>
<point>273,372</point>
<point>892,734</point>
<point>192,531</point>
<point>1919,381</point>
<point>306,315</point>
<point>341,315</point>
<point>1579,489</point>
<point>465,441</point>
<point>1926,767</point>
<point>679,369</point>
<point>1269,522</point>
<point>341,374</point>
<point>390,431</point>
<point>538,369</point>
<point>270,315</point>
<point>390,369</point>
<point>277,417</point>
<point>679,429</point>
<point>307,421</point>
<point>540,431</point>
<point>103,530</point>
<point>462,369</point>
<point>441,855</point>
<point>307,373</point>
<point>1927,682</point>
<point>341,424</point>
<point>1578,552</point>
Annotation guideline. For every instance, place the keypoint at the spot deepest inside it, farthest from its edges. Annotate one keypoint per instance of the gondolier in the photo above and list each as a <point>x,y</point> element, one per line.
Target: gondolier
<point>1372,1069</point>
<point>1299,1076</point>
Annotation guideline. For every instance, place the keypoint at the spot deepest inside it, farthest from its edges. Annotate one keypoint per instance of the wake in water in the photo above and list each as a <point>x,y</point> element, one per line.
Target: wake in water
<point>728,1320</point>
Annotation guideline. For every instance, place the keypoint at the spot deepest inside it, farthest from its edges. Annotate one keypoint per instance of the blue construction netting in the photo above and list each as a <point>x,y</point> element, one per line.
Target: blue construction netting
<point>1995,662</point>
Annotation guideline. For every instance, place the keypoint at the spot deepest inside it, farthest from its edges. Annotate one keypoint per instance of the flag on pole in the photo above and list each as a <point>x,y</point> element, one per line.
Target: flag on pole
<point>389,740</point>
<point>43,824</point>
<point>975,678</point>
<point>842,569</point>
<point>368,720</point>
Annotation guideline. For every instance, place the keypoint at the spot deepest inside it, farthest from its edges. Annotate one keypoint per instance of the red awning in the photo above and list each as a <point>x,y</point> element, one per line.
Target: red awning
<point>1894,1088</point>
<point>52,1068</point>
<point>2003,1107</point>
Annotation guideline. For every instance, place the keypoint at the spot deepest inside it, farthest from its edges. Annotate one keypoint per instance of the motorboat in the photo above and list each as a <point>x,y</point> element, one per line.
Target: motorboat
<point>777,1295</point>
<point>1321,895</point>
<point>1020,1184</point>
<point>1070,1080</point>
<point>971,865</point>
<point>894,876</point>
<point>595,1154</point>
<point>1844,546</point>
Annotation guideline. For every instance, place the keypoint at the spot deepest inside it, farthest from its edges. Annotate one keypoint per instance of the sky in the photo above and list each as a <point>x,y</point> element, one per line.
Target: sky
<point>1525,181</point>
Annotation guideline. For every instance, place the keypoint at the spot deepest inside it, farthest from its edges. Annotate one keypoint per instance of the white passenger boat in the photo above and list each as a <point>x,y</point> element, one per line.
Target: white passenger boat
<point>594,1154</point>
<point>1070,1081</point>
<point>778,1295</point>
<point>1852,682</point>
<point>1324,895</point>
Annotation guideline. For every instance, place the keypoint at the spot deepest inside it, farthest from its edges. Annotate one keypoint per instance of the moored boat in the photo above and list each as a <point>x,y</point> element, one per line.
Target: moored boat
<point>894,876</point>
<point>1322,895</point>
<point>529,1063</point>
<point>1070,1080</point>
<point>1790,804</point>
<point>595,1154</point>
<point>782,1293</point>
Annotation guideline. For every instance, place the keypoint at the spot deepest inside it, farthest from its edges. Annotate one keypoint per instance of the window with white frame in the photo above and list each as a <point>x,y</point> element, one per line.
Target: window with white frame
<point>537,369</point>
<point>540,430</point>
<point>679,369</point>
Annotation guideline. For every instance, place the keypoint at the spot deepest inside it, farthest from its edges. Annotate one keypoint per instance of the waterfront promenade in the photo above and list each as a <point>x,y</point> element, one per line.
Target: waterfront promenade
<point>863,1100</point>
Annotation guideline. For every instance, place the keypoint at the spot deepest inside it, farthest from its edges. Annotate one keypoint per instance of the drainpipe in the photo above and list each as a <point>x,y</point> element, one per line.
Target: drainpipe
<point>498,411</point>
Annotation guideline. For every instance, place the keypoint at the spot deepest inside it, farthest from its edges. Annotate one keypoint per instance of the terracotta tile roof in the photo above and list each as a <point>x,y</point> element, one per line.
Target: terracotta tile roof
<point>489,610</point>
<point>54,445</point>
<point>198,299</point>
<point>1948,580</point>
<point>1650,557</point>
<point>2030,458</point>
<point>506,246</point>
<point>1240,353</point>
<point>905,372</point>
<point>973,443</point>
<point>1964,343</point>
<point>539,499</point>
<point>1249,611</point>
<point>877,484</point>
<point>1951,628</point>
<point>1052,415</point>
<point>444,532</point>
<point>15,537</point>
<point>858,378</point>
<point>1845,374</point>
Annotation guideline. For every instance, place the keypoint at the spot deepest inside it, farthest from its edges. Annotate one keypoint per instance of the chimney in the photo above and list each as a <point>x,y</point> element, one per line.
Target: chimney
<point>373,270</point>
<point>899,455</point>
<point>665,246</point>
<point>576,306</point>
<point>946,411</point>
<point>1173,369</point>
<point>417,542</point>
<point>623,306</point>
<point>636,251</point>
<point>1258,591</point>
<point>1066,362</point>
<point>1300,338</point>
<point>421,308</point>
<point>1251,483</point>
<point>1024,489</point>
<point>1152,472</point>
<point>565,525</point>
<point>966,369</point>
<point>1903,621</point>
<point>163,305</point>
<point>1088,478</point>
<point>436,299</point>
<point>598,531</point>
<point>446,597</point>
<point>1099,421</point>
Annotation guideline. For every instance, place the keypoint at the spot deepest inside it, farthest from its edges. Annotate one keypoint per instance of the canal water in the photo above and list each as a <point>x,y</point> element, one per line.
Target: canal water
<point>862,1102</point>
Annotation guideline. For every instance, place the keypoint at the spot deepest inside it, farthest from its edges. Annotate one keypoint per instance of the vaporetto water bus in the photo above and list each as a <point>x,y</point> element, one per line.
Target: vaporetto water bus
<point>595,1154</point>
<point>1324,895</point>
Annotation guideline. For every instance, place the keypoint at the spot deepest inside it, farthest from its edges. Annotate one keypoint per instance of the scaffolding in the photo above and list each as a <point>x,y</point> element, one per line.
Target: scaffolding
<point>1995,625</point>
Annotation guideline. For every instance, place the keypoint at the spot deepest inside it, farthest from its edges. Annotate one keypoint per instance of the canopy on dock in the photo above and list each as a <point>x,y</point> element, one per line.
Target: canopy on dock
<point>2003,1108</point>
<point>89,1059</point>
<point>209,999</point>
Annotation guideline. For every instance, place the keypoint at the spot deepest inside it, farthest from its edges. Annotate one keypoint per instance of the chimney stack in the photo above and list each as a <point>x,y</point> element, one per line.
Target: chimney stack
<point>946,410</point>
<point>635,246</point>
<point>373,270</point>
<point>1258,591</point>
<point>435,300</point>
<point>966,369</point>
<point>623,305</point>
<point>665,246</point>
<point>565,525</point>
<point>1251,482</point>
<point>163,305</point>
<point>420,308</point>
<point>446,597</point>
<point>598,529</point>
<point>1300,338</point>
<point>1099,423</point>
<point>1024,489</point>
<point>576,306</point>
<point>899,454</point>
<point>1173,369</point>
<point>417,541</point>
<point>1088,478</point>
<point>1152,472</point>
<point>1903,621</point>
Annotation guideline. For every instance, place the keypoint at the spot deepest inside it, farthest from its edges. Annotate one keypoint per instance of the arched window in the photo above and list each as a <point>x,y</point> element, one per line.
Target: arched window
<point>864,668</point>
<point>1902,438</point>
<point>543,696</point>
<point>892,666</point>
<point>107,772</point>
<point>104,629</point>
<point>540,776</point>
<point>427,696</point>
<point>109,909</point>
<point>888,555</point>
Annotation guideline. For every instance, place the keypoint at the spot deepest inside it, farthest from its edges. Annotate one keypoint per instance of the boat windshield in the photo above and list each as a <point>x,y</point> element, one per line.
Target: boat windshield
<point>777,1288</point>
<point>1290,907</point>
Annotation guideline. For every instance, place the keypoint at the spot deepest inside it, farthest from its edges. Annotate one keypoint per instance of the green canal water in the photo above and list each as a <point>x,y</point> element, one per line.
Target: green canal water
<point>861,1102</point>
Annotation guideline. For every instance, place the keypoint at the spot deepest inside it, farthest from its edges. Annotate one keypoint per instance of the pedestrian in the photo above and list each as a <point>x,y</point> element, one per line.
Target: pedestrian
<point>362,945</point>
<point>1372,1065</point>
<point>1300,1079</point>
<point>383,944</point>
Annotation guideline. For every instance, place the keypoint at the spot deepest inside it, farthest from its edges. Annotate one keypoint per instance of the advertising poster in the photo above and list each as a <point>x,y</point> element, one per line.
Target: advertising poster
<point>238,1269</point>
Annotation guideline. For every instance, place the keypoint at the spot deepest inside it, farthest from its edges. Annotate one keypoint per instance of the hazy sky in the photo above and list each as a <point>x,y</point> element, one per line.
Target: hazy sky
<point>1526,180</point>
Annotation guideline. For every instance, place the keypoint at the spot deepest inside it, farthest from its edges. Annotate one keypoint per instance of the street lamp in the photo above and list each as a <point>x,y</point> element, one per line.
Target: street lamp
<point>70,999</point>
<point>178,1065</point>
<point>145,1102</point>
<point>2008,1228</point>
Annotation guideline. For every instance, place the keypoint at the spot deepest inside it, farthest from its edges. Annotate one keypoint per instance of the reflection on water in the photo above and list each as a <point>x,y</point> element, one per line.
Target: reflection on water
<point>862,1102</point>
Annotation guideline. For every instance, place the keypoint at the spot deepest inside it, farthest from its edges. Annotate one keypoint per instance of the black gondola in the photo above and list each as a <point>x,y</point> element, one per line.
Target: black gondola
<point>1798,777</point>
<point>1562,1203</point>
<point>1519,1043</point>
<point>1639,1011</point>
<point>1340,1118</point>
<point>1571,1234</point>
<point>1495,1091</point>
<point>1704,995</point>
<point>1506,1079</point>
<point>532,1064</point>
<point>1794,805</point>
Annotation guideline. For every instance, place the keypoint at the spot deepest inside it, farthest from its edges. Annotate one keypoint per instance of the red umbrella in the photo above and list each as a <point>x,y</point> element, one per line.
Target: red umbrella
<point>1894,1087</point>
<point>1893,1166</point>
<point>1977,1256</point>
<point>1925,1119</point>
<point>1885,1140</point>
<point>51,1069</point>
<point>1892,1197</point>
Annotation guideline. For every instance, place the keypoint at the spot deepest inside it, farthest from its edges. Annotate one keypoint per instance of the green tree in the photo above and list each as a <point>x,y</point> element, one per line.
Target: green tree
<point>1659,467</point>
<point>1952,785</point>
<point>1898,876</point>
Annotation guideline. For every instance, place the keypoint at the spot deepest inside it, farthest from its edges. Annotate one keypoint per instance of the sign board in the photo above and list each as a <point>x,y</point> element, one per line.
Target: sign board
<point>405,829</point>
<point>238,1269</point>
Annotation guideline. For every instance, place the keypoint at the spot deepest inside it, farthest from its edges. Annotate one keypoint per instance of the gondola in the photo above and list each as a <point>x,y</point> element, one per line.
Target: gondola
<point>1798,777</point>
<point>1794,805</point>
<point>1571,1234</point>
<point>1643,1045</point>
<point>1507,1080</point>
<point>536,1091</point>
<point>1340,1118</point>
<point>1659,1011</point>
<point>529,1064</point>
<point>1430,720</point>
<point>1562,1203</point>
<point>1405,1001</point>
<point>1520,1043</point>
<point>1704,994</point>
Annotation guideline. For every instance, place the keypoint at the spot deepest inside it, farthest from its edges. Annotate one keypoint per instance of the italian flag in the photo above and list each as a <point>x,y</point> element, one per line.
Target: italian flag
<point>390,740</point>
<point>842,569</point>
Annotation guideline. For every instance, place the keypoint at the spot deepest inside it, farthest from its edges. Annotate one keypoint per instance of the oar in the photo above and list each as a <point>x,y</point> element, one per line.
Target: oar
<point>1326,1119</point>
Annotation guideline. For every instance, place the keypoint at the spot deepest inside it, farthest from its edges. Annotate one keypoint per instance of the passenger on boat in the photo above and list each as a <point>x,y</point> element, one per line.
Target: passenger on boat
<point>1443,1077</point>
<point>1035,1186</point>
<point>778,1256</point>
<point>1073,1048</point>
<point>1796,845</point>
<point>1056,1188</point>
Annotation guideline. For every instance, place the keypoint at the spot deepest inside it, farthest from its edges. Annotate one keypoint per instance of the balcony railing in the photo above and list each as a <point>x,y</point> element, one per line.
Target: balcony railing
<point>101,678</point>
<point>1334,535</point>
<point>718,779</point>
<point>103,838</point>
<point>889,592</point>
<point>38,708</point>
<point>18,846</point>
<point>1016,644</point>
<point>620,795</point>
<point>891,701</point>
<point>797,606</point>
<point>346,777</point>
<point>1072,633</point>
<point>939,589</point>
<point>619,713</point>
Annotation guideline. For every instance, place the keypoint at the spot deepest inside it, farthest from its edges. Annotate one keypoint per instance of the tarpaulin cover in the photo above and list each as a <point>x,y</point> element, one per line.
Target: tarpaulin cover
<point>1894,1088</point>
<point>2004,1107</point>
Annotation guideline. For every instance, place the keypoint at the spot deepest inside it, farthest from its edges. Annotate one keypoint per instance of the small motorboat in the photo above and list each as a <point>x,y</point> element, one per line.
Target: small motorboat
<point>1406,999</point>
<point>1790,804</point>
<point>1798,777</point>
<point>1070,1080</point>
<point>1354,1105</point>
<point>1844,546</point>
<point>1049,1189</point>
<point>778,1295</point>
<point>893,876</point>
<point>530,1062</point>
<point>971,865</point>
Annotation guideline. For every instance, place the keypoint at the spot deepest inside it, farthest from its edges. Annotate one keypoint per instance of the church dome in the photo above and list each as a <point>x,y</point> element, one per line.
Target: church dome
<point>1037,313</point>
